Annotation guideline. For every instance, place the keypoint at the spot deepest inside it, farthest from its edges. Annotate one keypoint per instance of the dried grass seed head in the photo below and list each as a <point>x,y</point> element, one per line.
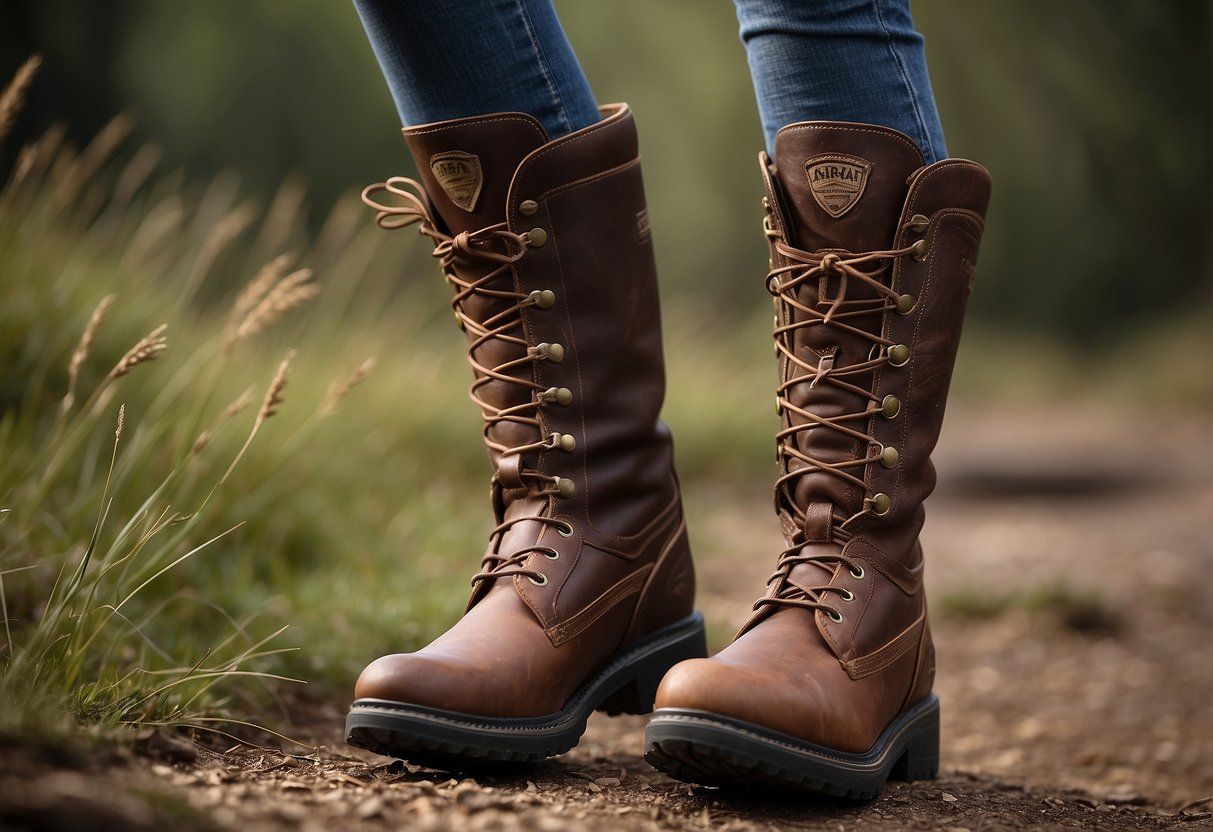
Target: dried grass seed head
<point>148,348</point>
<point>13,97</point>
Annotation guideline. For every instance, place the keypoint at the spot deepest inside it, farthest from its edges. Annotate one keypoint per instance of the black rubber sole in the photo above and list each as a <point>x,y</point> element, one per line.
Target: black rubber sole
<point>709,749</point>
<point>452,740</point>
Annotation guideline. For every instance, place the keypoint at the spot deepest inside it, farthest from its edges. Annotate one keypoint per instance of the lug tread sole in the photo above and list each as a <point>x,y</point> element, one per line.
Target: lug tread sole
<point>704,748</point>
<point>451,740</point>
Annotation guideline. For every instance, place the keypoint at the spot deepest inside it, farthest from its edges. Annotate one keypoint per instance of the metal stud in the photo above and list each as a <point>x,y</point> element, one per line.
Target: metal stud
<point>543,298</point>
<point>920,249</point>
<point>567,442</point>
<point>890,406</point>
<point>528,207</point>
<point>899,354</point>
<point>881,503</point>
<point>552,352</point>
<point>536,237</point>
<point>906,304</point>
<point>889,456</point>
<point>566,487</point>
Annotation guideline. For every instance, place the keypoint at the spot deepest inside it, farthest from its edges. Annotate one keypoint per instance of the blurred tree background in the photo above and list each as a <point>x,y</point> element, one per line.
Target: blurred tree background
<point>1094,117</point>
<point>255,125</point>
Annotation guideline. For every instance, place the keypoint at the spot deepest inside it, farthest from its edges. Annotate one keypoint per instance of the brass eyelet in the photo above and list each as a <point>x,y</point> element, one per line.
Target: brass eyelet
<point>919,223</point>
<point>906,304</point>
<point>921,249</point>
<point>899,355</point>
<point>544,582</point>
<point>857,573</point>
<point>551,352</point>
<point>566,487</point>
<point>565,529</point>
<point>536,237</point>
<point>847,596</point>
<point>890,406</point>
<point>881,503</point>
<point>528,207</point>
<point>889,456</point>
<point>565,442</point>
<point>834,616</point>
<point>551,554</point>
<point>543,298</point>
<point>562,396</point>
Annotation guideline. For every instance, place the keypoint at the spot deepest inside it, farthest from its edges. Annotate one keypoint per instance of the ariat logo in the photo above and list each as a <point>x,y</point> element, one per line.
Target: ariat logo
<point>459,175</point>
<point>837,181</point>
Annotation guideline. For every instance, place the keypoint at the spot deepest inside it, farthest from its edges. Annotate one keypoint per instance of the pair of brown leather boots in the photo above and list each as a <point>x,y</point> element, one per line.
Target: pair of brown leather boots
<point>584,598</point>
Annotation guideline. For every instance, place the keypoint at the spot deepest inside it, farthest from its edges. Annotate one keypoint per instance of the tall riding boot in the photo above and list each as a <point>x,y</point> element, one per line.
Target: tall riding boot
<point>828,686</point>
<point>584,598</point>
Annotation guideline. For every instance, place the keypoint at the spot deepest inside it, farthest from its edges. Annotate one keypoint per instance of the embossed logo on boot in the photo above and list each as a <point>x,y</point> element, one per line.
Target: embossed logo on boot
<point>837,181</point>
<point>459,175</point>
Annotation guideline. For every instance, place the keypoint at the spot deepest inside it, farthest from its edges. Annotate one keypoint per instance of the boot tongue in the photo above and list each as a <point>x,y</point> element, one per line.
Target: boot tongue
<point>466,165</point>
<point>844,183</point>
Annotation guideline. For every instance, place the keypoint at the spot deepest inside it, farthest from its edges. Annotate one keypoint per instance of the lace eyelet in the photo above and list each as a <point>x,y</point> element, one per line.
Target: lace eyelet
<point>857,573</point>
<point>847,596</point>
<point>542,298</point>
<point>562,396</point>
<point>544,582</point>
<point>565,529</point>
<point>551,554</point>
<point>834,616</point>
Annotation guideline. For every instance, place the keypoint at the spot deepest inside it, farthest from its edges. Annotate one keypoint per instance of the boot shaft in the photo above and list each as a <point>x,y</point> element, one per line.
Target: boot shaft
<point>547,248</point>
<point>872,257</point>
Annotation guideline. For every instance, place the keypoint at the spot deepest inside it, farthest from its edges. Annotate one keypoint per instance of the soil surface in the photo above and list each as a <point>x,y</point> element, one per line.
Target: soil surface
<point>1069,557</point>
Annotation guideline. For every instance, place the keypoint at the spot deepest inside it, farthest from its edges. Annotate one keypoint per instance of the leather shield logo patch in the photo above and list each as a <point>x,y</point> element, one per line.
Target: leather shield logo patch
<point>459,175</point>
<point>837,181</point>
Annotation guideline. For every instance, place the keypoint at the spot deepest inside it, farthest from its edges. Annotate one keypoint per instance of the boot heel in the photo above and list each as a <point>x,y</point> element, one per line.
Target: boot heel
<point>636,696</point>
<point>920,760</point>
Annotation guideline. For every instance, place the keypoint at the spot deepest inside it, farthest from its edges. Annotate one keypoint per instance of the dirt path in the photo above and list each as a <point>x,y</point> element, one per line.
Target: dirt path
<point>1068,572</point>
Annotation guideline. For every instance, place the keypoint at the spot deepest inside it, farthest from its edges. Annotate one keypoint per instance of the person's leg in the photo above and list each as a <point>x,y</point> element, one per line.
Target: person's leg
<point>828,687</point>
<point>584,596</point>
<point>451,60</point>
<point>842,60</point>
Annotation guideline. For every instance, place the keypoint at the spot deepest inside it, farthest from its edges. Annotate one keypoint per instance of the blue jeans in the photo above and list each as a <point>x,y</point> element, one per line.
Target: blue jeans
<point>846,60</point>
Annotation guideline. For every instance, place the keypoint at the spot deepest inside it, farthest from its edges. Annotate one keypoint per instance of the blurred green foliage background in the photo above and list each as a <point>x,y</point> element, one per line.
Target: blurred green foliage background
<point>1093,115</point>
<point>255,125</point>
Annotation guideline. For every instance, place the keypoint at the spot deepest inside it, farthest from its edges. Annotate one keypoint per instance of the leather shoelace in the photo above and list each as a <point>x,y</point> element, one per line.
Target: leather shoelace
<point>783,282</point>
<point>498,248</point>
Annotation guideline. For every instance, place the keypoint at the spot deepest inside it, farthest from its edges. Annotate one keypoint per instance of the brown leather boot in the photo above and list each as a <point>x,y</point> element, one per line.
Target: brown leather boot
<point>584,598</point>
<point>828,686</point>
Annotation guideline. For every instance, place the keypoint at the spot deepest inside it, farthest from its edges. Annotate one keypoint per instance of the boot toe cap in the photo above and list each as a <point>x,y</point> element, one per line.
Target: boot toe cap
<point>817,708</point>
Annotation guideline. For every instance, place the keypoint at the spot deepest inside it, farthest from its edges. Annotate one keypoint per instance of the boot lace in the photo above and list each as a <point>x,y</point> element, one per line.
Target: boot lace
<point>841,270</point>
<point>498,248</point>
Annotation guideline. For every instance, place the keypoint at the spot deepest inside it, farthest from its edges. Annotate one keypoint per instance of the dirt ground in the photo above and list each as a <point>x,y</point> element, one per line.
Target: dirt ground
<point>1069,570</point>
